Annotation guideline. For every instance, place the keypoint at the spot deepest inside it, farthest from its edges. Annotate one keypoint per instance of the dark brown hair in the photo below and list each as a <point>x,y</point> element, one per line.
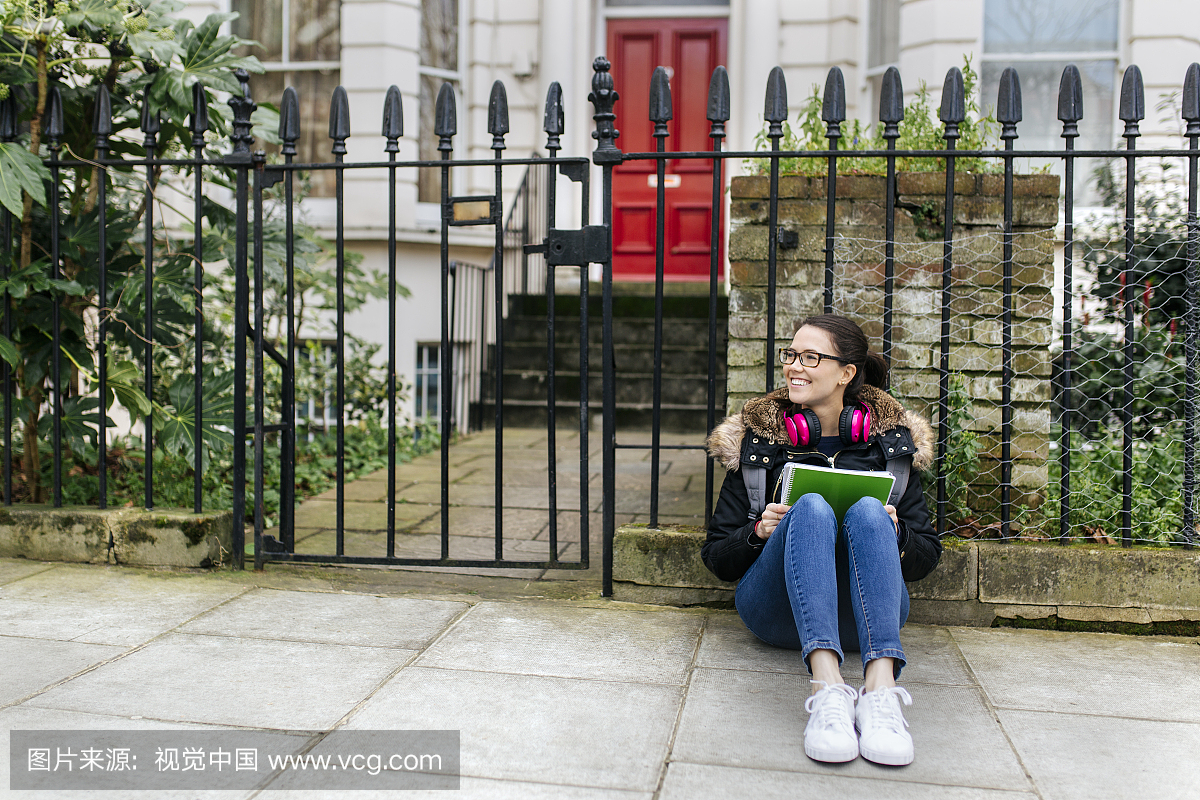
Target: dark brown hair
<point>850,343</point>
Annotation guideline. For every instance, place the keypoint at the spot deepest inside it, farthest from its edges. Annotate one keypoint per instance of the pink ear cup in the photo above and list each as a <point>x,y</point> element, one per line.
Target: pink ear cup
<point>866,423</point>
<point>797,429</point>
<point>856,424</point>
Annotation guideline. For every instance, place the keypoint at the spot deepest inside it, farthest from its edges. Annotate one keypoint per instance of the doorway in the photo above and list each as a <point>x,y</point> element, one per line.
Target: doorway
<point>690,49</point>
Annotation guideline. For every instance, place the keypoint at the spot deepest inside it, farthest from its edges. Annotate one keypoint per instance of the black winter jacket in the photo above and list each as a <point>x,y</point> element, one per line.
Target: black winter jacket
<point>757,437</point>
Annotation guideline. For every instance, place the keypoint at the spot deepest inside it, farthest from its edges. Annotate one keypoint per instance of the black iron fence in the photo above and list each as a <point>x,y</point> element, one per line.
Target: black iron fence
<point>1146,301</point>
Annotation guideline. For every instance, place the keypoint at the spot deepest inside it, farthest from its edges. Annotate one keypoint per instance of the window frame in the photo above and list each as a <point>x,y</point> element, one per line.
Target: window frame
<point>429,212</point>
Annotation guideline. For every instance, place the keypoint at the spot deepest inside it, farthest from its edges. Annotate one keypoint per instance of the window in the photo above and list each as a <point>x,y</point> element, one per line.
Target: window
<point>439,63</point>
<point>425,384</point>
<point>316,385</point>
<point>301,48</point>
<point>883,47</point>
<point>1039,38</point>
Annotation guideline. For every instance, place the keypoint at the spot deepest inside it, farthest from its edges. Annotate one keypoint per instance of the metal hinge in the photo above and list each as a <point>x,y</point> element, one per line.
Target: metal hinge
<point>578,248</point>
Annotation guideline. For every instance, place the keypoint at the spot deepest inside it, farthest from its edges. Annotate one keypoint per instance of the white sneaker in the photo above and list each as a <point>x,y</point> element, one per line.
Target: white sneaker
<point>882,737</point>
<point>829,735</point>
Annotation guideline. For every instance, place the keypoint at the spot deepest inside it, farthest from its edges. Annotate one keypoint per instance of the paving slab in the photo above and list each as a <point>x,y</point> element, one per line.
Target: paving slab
<point>14,569</point>
<point>32,664</point>
<point>105,605</point>
<point>477,789</point>
<point>1083,757</point>
<point>359,515</point>
<point>727,712</point>
<point>707,782</point>
<point>727,644</point>
<point>526,495</point>
<point>1089,673</point>
<point>564,477</point>
<point>349,619</point>
<point>224,680</point>
<point>570,642</point>
<point>476,521</point>
<point>669,503</point>
<point>932,655</point>
<point>601,734</point>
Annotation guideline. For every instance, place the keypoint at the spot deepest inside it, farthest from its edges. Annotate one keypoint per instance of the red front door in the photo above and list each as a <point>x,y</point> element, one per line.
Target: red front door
<point>690,49</point>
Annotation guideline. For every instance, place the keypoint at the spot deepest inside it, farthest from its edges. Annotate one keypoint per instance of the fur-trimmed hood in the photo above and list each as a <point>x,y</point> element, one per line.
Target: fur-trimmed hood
<point>765,416</point>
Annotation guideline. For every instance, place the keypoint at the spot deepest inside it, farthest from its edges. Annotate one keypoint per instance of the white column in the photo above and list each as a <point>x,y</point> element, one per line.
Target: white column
<point>380,47</point>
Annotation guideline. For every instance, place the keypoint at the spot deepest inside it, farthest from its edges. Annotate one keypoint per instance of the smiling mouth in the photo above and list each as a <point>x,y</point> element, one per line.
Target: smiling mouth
<point>799,382</point>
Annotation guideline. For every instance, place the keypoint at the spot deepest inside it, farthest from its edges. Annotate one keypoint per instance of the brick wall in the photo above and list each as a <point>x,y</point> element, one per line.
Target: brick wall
<point>976,308</point>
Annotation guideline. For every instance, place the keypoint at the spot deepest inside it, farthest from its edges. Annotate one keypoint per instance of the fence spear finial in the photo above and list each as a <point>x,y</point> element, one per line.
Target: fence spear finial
<point>1008,103</point>
<point>891,103</point>
<point>1133,101</point>
<point>199,122</point>
<point>660,101</point>
<point>718,101</point>
<point>1070,101</point>
<point>339,120</point>
<point>8,117</point>
<point>1191,100</point>
<point>552,118</point>
<point>289,121</point>
<point>954,103</point>
<point>498,115</point>
<point>243,106</point>
<point>603,97</point>
<point>150,123</point>
<point>445,117</point>
<point>833,103</point>
<point>102,125</point>
<point>775,109</point>
<point>393,119</point>
<point>54,116</point>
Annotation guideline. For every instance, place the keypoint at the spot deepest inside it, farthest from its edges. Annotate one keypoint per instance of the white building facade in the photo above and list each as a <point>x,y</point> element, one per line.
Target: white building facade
<point>368,45</point>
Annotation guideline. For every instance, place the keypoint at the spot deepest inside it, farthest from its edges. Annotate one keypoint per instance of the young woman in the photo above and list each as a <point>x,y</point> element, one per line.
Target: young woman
<point>804,582</point>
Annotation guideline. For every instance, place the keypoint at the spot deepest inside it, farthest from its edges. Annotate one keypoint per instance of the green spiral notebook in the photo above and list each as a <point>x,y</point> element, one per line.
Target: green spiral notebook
<point>841,488</point>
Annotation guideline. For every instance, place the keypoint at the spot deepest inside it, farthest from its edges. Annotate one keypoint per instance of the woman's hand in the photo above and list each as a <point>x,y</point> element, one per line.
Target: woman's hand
<point>770,519</point>
<point>895,520</point>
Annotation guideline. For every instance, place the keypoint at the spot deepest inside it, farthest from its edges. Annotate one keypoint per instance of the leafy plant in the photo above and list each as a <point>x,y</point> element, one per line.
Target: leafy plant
<point>139,49</point>
<point>1097,475</point>
<point>920,130</point>
<point>961,464</point>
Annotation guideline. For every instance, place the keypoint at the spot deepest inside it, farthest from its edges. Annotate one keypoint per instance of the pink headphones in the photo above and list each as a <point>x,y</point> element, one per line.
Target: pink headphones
<point>854,426</point>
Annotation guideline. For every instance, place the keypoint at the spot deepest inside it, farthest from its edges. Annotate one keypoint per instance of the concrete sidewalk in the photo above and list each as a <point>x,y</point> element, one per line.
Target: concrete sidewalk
<point>577,698</point>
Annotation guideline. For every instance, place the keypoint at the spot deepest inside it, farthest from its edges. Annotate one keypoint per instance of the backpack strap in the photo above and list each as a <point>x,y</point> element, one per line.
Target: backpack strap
<point>756,487</point>
<point>900,468</point>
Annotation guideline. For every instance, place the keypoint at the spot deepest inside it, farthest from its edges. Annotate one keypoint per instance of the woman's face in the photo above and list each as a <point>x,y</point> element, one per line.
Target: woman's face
<point>819,385</point>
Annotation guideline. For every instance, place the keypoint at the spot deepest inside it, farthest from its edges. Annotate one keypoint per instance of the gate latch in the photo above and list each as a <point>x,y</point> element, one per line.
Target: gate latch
<point>576,248</point>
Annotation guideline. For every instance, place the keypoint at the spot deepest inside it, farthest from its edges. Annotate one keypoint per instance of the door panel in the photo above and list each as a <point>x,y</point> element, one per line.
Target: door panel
<point>690,49</point>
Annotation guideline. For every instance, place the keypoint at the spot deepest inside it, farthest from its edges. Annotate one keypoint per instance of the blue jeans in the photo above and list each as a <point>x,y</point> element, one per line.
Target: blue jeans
<point>812,588</point>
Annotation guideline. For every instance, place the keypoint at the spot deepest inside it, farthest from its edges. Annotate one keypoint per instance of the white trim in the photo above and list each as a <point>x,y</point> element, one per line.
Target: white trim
<point>299,66</point>
<point>1054,55</point>
<point>662,12</point>
<point>437,72</point>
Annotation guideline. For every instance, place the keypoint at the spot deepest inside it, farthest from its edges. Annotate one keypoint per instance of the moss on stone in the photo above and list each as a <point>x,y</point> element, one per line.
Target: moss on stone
<point>1181,627</point>
<point>195,530</point>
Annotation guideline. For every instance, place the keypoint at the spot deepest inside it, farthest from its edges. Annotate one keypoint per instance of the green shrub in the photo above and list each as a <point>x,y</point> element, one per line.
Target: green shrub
<point>920,130</point>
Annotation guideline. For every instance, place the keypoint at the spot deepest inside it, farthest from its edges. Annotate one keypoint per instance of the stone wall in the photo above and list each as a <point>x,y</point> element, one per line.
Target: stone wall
<point>976,307</point>
<point>1139,590</point>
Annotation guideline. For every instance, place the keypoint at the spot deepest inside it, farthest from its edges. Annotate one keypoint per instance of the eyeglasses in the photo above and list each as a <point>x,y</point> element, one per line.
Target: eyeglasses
<point>809,358</point>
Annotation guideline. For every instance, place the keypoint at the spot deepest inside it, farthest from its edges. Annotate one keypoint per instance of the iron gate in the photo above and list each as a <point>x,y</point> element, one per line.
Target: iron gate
<point>592,244</point>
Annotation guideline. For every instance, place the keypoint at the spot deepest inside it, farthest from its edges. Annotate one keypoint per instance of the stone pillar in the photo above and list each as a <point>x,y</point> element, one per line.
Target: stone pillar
<point>976,309</point>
